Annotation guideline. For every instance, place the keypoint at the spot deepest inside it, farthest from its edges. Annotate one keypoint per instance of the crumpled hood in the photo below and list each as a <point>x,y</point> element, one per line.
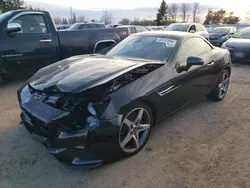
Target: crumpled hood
<point>80,73</point>
<point>238,43</point>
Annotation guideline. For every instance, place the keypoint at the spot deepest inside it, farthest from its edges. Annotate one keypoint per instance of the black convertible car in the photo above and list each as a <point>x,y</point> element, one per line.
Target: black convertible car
<point>92,109</point>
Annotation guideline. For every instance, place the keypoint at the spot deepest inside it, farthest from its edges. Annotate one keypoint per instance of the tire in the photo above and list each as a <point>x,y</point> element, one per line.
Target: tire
<point>132,128</point>
<point>222,84</point>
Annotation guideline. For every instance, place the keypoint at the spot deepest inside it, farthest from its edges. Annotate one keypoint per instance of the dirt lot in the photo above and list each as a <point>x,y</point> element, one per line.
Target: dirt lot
<point>207,144</point>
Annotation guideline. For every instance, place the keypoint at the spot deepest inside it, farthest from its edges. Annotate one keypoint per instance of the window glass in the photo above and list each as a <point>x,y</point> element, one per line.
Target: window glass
<point>85,26</point>
<point>177,27</point>
<point>144,47</point>
<point>192,47</point>
<point>132,30</point>
<point>140,29</point>
<point>31,23</point>
<point>199,28</point>
<point>192,28</point>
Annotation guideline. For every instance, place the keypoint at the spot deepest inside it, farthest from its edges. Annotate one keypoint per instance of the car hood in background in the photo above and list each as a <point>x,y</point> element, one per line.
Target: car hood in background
<point>238,43</point>
<point>216,36</point>
<point>80,73</point>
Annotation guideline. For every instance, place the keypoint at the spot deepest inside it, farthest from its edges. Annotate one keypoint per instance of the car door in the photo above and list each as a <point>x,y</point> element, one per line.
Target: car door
<point>31,48</point>
<point>196,81</point>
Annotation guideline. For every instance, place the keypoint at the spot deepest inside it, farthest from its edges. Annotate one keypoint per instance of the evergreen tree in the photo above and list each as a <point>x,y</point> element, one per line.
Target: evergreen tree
<point>7,5</point>
<point>162,13</point>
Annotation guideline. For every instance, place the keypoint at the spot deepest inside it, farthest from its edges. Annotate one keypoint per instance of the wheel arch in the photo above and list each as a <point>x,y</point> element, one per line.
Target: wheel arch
<point>144,101</point>
<point>108,42</point>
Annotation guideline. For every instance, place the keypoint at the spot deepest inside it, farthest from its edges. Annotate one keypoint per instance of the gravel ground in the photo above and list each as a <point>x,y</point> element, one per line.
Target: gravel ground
<point>205,145</point>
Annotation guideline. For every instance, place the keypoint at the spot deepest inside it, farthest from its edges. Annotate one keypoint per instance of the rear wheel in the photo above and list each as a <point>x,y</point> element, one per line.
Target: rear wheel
<point>135,129</point>
<point>221,88</point>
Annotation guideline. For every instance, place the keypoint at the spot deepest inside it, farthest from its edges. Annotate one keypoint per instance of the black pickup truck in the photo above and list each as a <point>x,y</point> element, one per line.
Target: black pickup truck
<point>30,41</point>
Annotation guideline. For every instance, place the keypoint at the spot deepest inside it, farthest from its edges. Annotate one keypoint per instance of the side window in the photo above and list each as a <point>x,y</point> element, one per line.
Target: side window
<point>85,26</point>
<point>199,28</point>
<point>132,30</point>
<point>192,47</point>
<point>140,29</point>
<point>192,28</point>
<point>93,26</point>
<point>31,23</point>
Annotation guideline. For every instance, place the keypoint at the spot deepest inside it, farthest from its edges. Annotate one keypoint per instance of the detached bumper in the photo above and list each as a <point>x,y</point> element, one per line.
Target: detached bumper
<point>87,147</point>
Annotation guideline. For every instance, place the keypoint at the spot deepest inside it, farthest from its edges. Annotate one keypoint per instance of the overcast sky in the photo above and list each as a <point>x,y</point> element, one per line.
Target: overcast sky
<point>238,6</point>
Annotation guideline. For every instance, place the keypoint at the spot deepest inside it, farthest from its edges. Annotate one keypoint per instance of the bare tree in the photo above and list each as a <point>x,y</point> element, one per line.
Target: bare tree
<point>196,6</point>
<point>124,21</point>
<point>80,18</point>
<point>107,17</point>
<point>57,20</point>
<point>184,10</point>
<point>173,11</point>
<point>72,20</point>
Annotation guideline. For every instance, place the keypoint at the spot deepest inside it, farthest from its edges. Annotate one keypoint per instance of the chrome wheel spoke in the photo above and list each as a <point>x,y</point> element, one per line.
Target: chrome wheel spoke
<point>128,122</point>
<point>139,116</point>
<point>143,127</point>
<point>225,81</point>
<point>223,88</point>
<point>134,130</point>
<point>126,140</point>
<point>137,141</point>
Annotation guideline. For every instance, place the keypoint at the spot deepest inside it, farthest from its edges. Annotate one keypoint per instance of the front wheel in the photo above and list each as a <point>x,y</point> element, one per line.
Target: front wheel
<point>221,88</point>
<point>135,129</point>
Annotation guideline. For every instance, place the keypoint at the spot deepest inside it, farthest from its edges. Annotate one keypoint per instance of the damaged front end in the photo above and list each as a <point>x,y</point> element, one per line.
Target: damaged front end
<point>78,128</point>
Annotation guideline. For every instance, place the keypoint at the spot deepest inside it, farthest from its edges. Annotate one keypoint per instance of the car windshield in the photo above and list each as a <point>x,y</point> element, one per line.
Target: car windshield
<point>220,30</point>
<point>177,27</point>
<point>245,34</point>
<point>75,26</point>
<point>157,48</point>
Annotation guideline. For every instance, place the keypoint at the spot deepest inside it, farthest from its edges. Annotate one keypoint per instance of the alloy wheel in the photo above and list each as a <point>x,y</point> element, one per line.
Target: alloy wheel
<point>223,86</point>
<point>135,130</point>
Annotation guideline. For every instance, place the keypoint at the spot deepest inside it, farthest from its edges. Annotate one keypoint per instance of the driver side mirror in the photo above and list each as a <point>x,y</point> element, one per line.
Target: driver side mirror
<point>191,61</point>
<point>192,31</point>
<point>194,60</point>
<point>13,28</point>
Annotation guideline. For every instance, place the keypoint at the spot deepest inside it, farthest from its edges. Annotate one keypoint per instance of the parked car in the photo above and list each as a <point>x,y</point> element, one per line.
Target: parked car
<point>156,28</point>
<point>239,46</point>
<point>62,27</point>
<point>189,27</point>
<point>89,25</point>
<point>149,28</point>
<point>219,35</point>
<point>133,28</point>
<point>97,108</point>
<point>29,41</point>
<point>112,25</point>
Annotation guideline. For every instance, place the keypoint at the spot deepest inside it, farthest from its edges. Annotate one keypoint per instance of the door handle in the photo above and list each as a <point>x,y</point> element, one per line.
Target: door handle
<point>45,40</point>
<point>210,64</point>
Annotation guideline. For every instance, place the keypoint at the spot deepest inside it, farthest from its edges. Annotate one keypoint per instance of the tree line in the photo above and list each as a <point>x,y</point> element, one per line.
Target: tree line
<point>221,17</point>
<point>166,14</point>
<point>186,12</point>
<point>170,13</point>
